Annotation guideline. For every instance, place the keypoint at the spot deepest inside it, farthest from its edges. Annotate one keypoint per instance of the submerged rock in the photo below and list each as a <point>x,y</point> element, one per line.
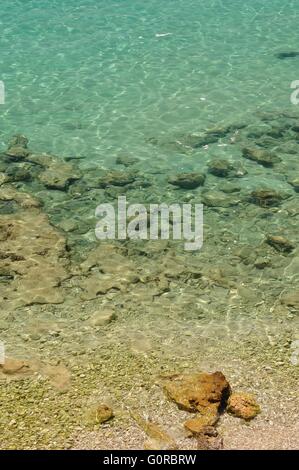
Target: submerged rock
<point>116,178</point>
<point>17,153</point>
<point>33,254</point>
<point>160,439</point>
<point>126,161</point>
<point>294,181</point>
<point>59,175</point>
<point>291,299</point>
<point>281,244</point>
<point>287,55</point>
<point>18,140</point>
<point>187,180</point>
<point>17,148</point>
<point>23,200</point>
<point>263,157</point>
<point>15,366</point>
<point>291,147</point>
<point>243,405</point>
<point>219,199</point>
<point>220,167</point>
<point>103,317</point>
<point>199,424</point>
<point>98,414</point>
<point>266,197</point>
<point>19,172</point>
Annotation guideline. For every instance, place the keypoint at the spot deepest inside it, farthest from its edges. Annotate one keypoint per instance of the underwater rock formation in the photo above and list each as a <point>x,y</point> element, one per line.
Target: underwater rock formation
<point>221,168</point>
<point>59,175</point>
<point>267,197</point>
<point>294,181</point>
<point>281,244</point>
<point>260,156</point>
<point>126,160</point>
<point>287,55</point>
<point>33,254</point>
<point>116,178</point>
<point>17,148</point>
<point>187,180</point>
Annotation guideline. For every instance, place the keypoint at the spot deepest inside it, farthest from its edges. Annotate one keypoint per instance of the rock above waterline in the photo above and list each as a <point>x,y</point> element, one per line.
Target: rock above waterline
<point>243,405</point>
<point>263,157</point>
<point>187,180</point>
<point>206,393</point>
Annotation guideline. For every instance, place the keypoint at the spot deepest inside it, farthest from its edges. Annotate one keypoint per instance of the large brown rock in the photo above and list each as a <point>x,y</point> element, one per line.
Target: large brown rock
<point>199,392</point>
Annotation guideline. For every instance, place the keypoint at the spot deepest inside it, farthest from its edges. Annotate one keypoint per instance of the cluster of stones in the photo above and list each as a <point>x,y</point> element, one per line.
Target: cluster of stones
<point>208,396</point>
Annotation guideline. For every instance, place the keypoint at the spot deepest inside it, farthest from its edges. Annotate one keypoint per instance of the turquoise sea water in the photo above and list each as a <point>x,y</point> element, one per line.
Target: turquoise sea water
<point>93,78</point>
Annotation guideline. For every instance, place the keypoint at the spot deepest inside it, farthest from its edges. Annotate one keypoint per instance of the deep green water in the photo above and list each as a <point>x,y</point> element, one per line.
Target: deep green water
<point>92,77</point>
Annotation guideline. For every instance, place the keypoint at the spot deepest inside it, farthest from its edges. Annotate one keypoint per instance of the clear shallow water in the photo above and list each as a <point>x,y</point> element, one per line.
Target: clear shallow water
<point>92,78</point>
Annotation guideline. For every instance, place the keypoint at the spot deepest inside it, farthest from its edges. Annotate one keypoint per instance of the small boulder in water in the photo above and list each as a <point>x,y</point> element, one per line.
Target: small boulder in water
<point>287,55</point>
<point>281,244</point>
<point>98,414</point>
<point>17,153</point>
<point>263,157</point>
<point>220,167</point>
<point>126,161</point>
<point>266,197</point>
<point>187,180</point>
<point>116,178</point>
